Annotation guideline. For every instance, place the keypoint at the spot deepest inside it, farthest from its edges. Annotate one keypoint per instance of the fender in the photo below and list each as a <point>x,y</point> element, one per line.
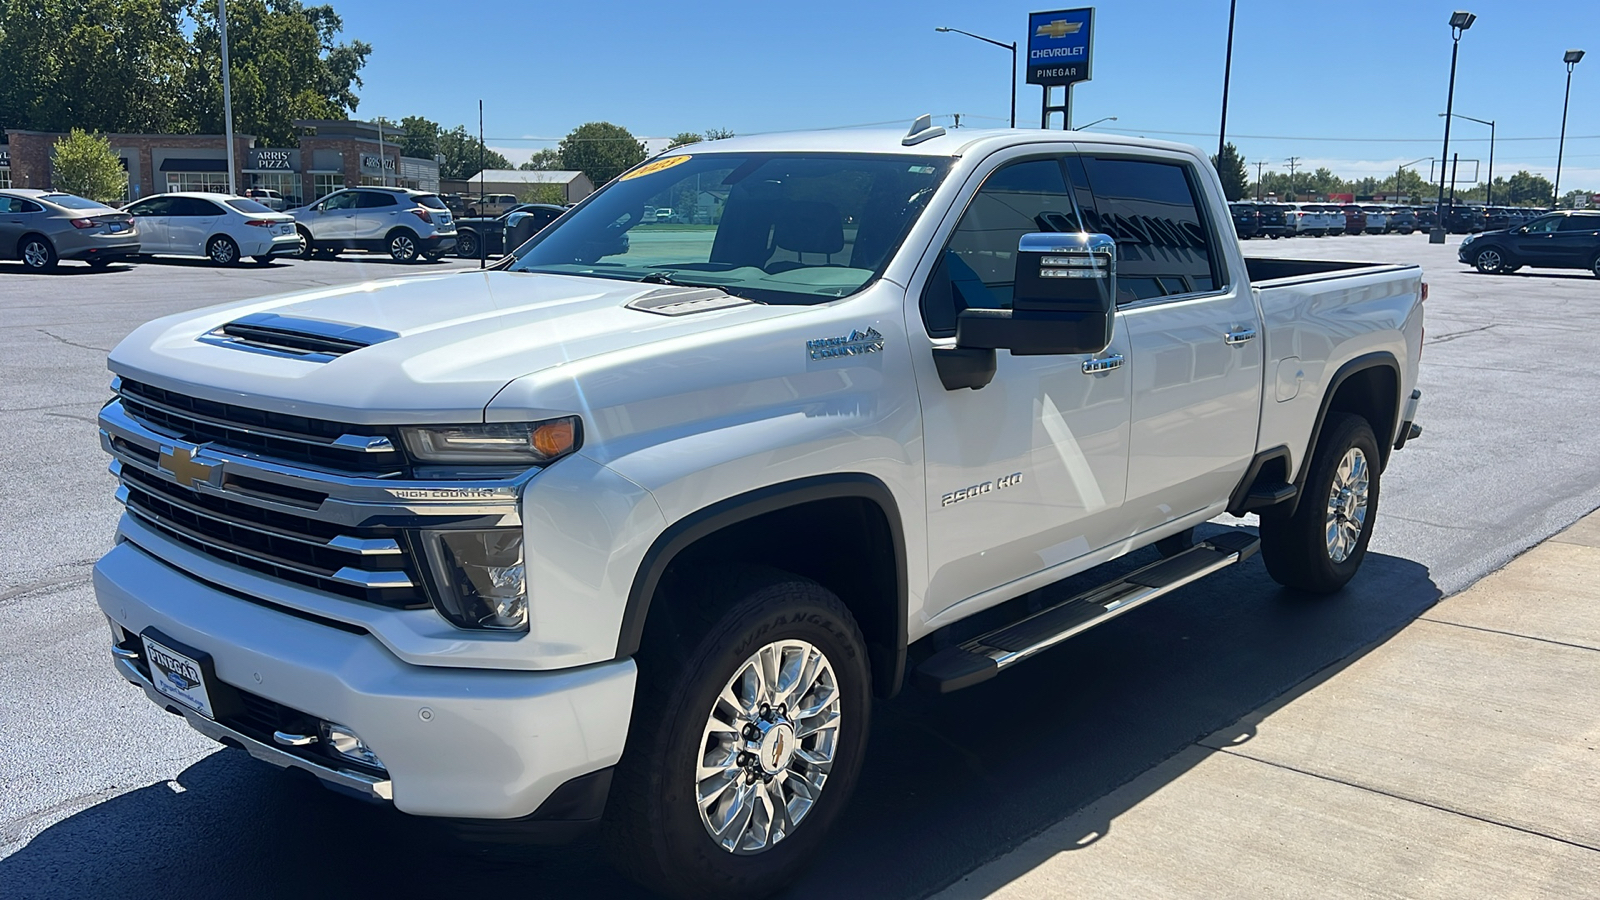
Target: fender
<point>1385,433</point>
<point>888,661</point>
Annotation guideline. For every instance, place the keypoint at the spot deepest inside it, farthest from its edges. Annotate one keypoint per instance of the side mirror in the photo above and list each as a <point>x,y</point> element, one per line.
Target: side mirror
<point>1064,299</point>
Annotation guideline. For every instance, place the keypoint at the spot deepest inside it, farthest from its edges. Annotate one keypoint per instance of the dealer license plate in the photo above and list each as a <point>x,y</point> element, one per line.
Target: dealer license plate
<point>178,676</point>
<point>118,228</point>
<point>285,229</point>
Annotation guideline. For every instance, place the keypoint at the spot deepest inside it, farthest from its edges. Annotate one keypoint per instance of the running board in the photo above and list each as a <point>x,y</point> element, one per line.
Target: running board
<point>983,657</point>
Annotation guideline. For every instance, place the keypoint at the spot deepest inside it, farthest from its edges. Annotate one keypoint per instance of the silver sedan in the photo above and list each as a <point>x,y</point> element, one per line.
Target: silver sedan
<point>43,227</point>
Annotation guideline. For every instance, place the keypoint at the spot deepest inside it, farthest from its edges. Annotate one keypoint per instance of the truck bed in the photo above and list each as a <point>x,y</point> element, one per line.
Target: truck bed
<point>1265,271</point>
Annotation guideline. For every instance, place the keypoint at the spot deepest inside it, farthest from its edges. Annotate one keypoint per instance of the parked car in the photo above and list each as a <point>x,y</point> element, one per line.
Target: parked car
<point>490,204</point>
<point>267,197</point>
<point>1427,219</point>
<point>1274,220</point>
<point>1377,219</point>
<point>1299,219</point>
<point>522,222</point>
<point>408,225</point>
<point>1403,220</point>
<point>43,227</point>
<point>220,227</point>
<point>1464,219</point>
<point>1568,239</point>
<point>1246,220</point>
<point>610,522</point>
<point>454,203</point>
<point>1355,219</point>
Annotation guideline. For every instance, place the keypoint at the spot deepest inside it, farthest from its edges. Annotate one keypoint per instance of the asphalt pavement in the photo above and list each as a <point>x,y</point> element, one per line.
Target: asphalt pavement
<point>104,793</point>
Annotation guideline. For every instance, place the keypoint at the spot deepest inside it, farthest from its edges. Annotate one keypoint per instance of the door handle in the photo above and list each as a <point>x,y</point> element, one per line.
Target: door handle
<point>1242,336</point>
<point>1096,366</point>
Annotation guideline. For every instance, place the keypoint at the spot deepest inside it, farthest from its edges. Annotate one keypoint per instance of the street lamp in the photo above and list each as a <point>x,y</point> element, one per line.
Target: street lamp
<point>1571,58</point>
<point>1096,122</point>
<point>1012,47</point>
<point>1489,196</point>
<point>1460,21</point>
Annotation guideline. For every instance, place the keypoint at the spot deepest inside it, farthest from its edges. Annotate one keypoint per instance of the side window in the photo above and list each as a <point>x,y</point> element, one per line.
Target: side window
<point>977,269</point>
<point>1163,244</point>
<point>155,206</point>
<point>374,199</point>
<point>27,206</point>
<point>8,205</point>
<point>1580,223</point>
<point>1544,226</point>
<point>340,201</point>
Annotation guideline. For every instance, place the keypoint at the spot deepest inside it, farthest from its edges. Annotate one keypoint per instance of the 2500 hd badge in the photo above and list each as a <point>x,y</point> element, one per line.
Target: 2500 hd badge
<point>978,490</point>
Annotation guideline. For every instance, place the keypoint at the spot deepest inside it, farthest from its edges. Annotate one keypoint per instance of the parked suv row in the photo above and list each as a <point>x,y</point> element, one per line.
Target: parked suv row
<point>408,225</point>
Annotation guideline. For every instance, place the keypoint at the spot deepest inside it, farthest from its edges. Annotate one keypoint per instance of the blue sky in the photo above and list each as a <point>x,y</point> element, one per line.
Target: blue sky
<point>1370,72</point>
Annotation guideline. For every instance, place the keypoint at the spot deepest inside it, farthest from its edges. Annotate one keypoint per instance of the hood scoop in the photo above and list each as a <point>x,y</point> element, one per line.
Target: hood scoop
<point>309,339</point>
<point>683,301</point>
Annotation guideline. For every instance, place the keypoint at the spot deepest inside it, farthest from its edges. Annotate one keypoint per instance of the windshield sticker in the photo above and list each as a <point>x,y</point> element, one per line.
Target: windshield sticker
<point>856,343</point>
<point>660,165</point>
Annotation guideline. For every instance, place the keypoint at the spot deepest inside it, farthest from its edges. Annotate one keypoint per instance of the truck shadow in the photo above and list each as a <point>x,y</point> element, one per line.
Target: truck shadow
<point>950,782</point>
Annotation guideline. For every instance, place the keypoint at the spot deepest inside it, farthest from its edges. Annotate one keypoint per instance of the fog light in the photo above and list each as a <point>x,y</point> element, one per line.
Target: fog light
<point>481,578</point>
<point>341,741</point>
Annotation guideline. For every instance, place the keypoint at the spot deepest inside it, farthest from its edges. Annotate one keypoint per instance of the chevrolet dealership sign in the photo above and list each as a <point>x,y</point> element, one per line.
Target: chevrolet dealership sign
<point>1059,46</point>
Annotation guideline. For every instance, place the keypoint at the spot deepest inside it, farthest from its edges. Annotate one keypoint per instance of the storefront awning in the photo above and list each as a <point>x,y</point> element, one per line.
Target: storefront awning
<point>171,164</point>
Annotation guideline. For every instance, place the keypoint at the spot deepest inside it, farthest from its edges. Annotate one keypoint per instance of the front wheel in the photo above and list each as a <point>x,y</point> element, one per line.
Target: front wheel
<point>1489,261</point>
<point>1319,548</point>
<point>306,247</point>
<point>745,744</point>
<point>1594,265</point>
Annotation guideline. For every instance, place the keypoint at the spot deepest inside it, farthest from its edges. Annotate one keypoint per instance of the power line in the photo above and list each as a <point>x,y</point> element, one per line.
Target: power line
<point>1352,140</point>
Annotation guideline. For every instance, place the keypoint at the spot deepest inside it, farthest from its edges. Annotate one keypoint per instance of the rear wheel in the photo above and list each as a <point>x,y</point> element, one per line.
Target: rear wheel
<point>748,732</point>
<point>37,253</point>
<point>402,246</point>
<point>467,245</point>
<point>261,260</point>
<point>1320,547</point>
<point>98,262</point>
<point>222,250</point>
<point>1489,261</point>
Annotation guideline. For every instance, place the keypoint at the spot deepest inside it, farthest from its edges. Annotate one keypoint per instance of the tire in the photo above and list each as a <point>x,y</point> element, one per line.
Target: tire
<point>307,247</point>
<point>98,262</point>
<point>37,253</point>
<point>467,245</point>
<point>1594,265</point>
<point>1489,261</point>
<point>655,829</point>
<point>261,260</point>
<point>222,251</point>
<point>402,245</point>
<point>433,255</point>
<point>1340,495</point>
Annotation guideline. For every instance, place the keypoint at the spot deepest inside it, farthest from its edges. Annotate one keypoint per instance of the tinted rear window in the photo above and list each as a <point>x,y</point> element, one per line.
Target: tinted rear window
<point>431,201</point>
<point>247,206</point>
<point>72,201</point>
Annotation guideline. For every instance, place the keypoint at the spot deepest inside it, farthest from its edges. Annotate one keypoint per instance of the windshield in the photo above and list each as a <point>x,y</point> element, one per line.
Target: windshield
<point>72,201</point>
<point>777,228</point>
<point>247,206</point>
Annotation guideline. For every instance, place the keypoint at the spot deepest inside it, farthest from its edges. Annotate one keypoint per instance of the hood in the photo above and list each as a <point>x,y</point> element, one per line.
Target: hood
<point>437,347</point>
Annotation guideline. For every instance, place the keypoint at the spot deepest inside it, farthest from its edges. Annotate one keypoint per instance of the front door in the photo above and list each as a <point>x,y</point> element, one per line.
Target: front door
<point>1535,244</point>
<point>336,222</point>
<point>17,218</point>
<point>1196,350</point>
<point>1028,472</point>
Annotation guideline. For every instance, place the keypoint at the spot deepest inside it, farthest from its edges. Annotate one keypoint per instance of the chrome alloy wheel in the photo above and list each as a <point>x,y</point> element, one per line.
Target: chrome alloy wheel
<point>403,248</point>
<point>1489,262</point>
<point>36,255</point>
<point>768,746</point>
<point>1347,505</point>
<point>221,252</point>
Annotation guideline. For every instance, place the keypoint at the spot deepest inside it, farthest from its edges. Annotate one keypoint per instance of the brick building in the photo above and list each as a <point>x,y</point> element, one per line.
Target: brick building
<point>331,154</point>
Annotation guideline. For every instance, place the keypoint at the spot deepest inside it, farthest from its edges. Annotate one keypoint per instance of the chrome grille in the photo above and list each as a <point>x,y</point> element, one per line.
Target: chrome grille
<point>293,439</point>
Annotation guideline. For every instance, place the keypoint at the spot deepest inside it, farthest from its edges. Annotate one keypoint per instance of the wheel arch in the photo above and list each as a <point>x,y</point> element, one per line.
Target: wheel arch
<point>17,250</point>
<point>1368,386</point>
<point>860,555</point>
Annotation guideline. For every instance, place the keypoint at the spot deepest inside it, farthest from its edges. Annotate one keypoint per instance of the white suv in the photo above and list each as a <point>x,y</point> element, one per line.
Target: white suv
<point>406,224</point>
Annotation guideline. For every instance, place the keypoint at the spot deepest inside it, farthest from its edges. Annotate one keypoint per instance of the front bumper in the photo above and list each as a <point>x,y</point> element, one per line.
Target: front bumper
<point>455,742</point>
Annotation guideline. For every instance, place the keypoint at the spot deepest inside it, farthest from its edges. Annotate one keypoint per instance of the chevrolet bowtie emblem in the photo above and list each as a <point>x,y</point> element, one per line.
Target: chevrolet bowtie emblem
<point>1058,28</point>
<point>181,463</point>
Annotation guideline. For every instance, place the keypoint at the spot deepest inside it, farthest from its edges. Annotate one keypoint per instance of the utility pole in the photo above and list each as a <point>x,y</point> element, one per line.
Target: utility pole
<point>1293,163</point>
<point>1259,164</point>
<point>227,91</point>
<point>483,246</point>
<point>1227,75</point>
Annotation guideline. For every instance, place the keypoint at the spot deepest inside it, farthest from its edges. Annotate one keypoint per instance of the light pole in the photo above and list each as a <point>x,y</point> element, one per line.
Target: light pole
<point>1405,166</point>
<point>1012,47</point>
<point>1571,58</point>
<point>1459,22</point>
<point>1227,75</point>
<point>1489,196</point>
<point>227,90</point>
<point>1096,122</point>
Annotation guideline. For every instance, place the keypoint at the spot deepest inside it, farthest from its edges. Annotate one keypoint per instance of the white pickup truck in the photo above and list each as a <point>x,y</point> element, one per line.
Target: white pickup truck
<point>631,529</point>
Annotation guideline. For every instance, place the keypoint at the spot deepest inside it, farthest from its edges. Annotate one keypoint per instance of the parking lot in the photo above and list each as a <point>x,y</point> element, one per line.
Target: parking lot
<point>105,794</point>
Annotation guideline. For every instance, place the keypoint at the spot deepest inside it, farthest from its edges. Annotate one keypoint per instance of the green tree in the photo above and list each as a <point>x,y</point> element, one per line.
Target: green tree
<point>422,137</point>
<point>1408,182</point>
<point>546,160</point>
<point>600,150</point>
<point>105,65</point>
<point>683,139</point>
<point>542,193</point>
<point>1230,168</point>
<point>718,134</point>
<point>284,62</point>
<point>462,157</point>
<point>83,163</point>
<point>1526,188</point>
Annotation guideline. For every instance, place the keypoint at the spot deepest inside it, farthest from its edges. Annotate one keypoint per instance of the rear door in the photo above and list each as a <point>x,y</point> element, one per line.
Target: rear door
<point>190,221</point>
<point>153,217</point>
<point>1577,238</point>
<point>1196,351</point>
<point>376,213</point>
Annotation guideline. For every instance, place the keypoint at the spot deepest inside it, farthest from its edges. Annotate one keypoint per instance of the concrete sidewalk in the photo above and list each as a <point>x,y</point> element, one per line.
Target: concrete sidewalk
<point>1458,759</point>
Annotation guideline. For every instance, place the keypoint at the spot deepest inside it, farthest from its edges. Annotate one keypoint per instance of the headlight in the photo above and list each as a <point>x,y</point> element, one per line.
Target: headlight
<point>480,577</point>
<point>1468,239</point>
<point>533,443</point>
